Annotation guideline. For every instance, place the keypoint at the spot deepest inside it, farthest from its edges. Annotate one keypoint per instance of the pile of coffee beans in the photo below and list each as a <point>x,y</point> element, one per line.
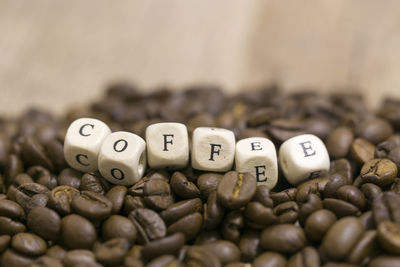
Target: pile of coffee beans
<point>53,215</point>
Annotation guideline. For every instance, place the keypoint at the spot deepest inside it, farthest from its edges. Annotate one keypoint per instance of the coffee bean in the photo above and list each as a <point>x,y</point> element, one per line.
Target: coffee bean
<point>365,247</point>
<point>44,222</point>
<point>168,245</point>
<point>46,261</point>
<point>236,189</point>
<point>389,237</point>
<point>339,141</point>
<point>385,261</point>
<point>189,225</point>
<point>13,258</point>
<point>249,245</point>
<point>30,195</point>
<point>313,186</point>
<point>116,195</point>
<point>11,210</point>
<point>164,261</point>
<point>318,223</point>
<point>14,166</point>
<point>362,151</point>
<point>42,176</point>
<point>270,259</point>
<point>33,154</point>
<point>352,195</point>
<point>207,183</point>
<point>112,252</point>
<point>281,129</point>
<point>60,198</point>
<point>28,244</point>
<point>307,257</point>
<point>77,232</point>
<point>284,238</point>
<point>394,156</point>
<point>207,236</point>
<point>341,208</point>
<point>91,205</point>
<point>157,194</point>
<point>10,227</point>
<point>385,207</point>
<point>131,203</point>
<point>119,226</point>
<point>182,187</point>
<point>149,223</point>
<point>287,212</point>
<point>342,167</point>
<point>367,220</point>
<point>200,256</point>
<point>374,130</point>
<point>56,252</point>
<point>22,178</point>
<point>284,196</point>
<point>370,191</point>
<point>396,186</point>
<point>4,242</point>
<point>76,257</point>
<point>70,177</point>
<point>262,195</point>
<point>54,150</point>
<point>226,251</point>
<point>181,209</point>
<point>341,238</point>
<point>332,186</point>
<point>258,214</point>
<point>213,212</point>
<point>312,204</point>
<point>379,171</point>
<point>92,181</point>
<point>232,225</point>
<point>383,148</point>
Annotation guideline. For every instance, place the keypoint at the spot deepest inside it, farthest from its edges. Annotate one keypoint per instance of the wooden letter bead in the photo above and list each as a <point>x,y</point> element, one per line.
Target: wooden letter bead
<point>82,143</point>
<point>303,157</point>
<point>122,158</point>
<point>213,149</point>
<point>257,155</point>
<point>167,145</point>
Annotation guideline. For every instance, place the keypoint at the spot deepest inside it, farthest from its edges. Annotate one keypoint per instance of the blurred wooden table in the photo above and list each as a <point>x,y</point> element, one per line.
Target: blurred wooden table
<point>55,54</point>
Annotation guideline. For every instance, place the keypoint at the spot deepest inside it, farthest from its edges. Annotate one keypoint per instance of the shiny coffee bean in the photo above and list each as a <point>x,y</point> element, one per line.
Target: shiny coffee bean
<point>148,223</point>
<point>342,167</point>
<point>341,208</point>
<point>200,256</point>
<point>76,257</point>
<point>385,261</point>
<point>352,195</point>
<point>313,186</point>
<point>70,177</point>
<point>283,238</point>
<point>12,258</point>
<point>262,195</point>
<point>284,196</point>
<point>339,141</point>
<point>9,226</point>
<point>258,214</point>
<point>46,261</point>
<point>33,154</point>
<point>370,191</point>
<point>44,222</point>
<point>226,251</point>
<point>232,226</point>
<point>318,223</point>
<point>77,232</point>
<point>30,195</point>
<point>168,245</point>
<point>56,252</point>
<point>91,205</point>
<point>11,210</point>
<point>119,226</point>
<point>213,212</point>
<point>207,183</point>
<point>181,209</point>
<point>312,204</point>
<point>236,189</point>
<point>307,257</point>
<point>379,171</point>
<point>270,259</point>
<point>182,187</point>
<point>249,245</point>
<point>389,236</point>
<point>131,203</point>
<point>116,195</point>
<point>92,181</point>
<point>385,207</point>
<point>287,212</point>
<point>157,194</point>
<point>111,252</point>
<point>60,198</point>
<point>383,148</point>
<point>374,130</point>
<point>28,244</point>
<point>362,151</point>
<point>366,246</point>
<point>189,225</point>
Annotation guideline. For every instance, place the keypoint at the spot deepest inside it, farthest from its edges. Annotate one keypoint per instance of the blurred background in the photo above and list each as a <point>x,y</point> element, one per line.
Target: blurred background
<point>55,54</point>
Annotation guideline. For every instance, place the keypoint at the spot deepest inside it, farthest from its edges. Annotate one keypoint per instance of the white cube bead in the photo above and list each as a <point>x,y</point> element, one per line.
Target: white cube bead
<point>122,158</point>
<point>213,149</point>
<point>167,145</point>
<point>257,155</point>
<point>82,143</point>
<point>303,157</point>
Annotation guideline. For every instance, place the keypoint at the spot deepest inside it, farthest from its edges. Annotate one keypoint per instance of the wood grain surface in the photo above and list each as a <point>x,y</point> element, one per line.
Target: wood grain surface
<point>55,54</point>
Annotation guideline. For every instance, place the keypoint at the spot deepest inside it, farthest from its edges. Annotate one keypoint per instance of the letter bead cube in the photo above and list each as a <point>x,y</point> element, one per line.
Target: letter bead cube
<point>303,157</point>
<point>167,145</point>
<point>213,149</point>
<point>257,155</point>
<point>122,158</point>
<point>82,143</point>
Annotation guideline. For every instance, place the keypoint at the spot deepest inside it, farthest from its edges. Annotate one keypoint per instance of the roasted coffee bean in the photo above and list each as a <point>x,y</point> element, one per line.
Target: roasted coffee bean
<point>385,261</point>
<point>314,186</point>
<point>367,220</point>
<point>258,214</point>
<point>112,252</point>
<point>11,210</point>
<point>33,154</point>
<point>92,181</point>
<point>12,258</point>
<point>396,186</point>
<point>22,178</point>
<point>77,232</point>
<point>137,189</point>
<point>91,205</point>
<point>164,261</point>
<point>168,245</point>
<point>14,166</point>
<point>181,209</point>
<point>207,183</point>
<point>149,224</point>
<point>226,251</point>
<point>116,195</point>
<point>28,244</point>
<point>60,198</point>
<point>385,207</point>
<point>284,196</point>
<point>119,226</point>
<point>287,212</point>
<point>207,236</point>
<point>332,186</point>
<point>307,257</point>
<point>44,222</point>
<point>236,189</point>
<point>4,242</point>
<point>383,148</point>
<point>270,259</point>
<point>341,238</point>
<point>30,195</point>
<point>200,256</point>
<point>370,191</point>
<point>46,261</point>
<point>70,177</point>
<point>362,151</point>
<point>318,223</point>
<point>341,208</point>
<point>232,225</point>
<point>42,176</point>
<point>78,257</point>
<point>182,187</point>
<point>56,252</point>
<point>342,167</point>
<point>189,225</point>
<point>262,195</point>
<point>379,171</point>
<point>374,130</point>
<point>249,245</point>
<point>312,204</point>
<point>131,203</point>
<point>284,238</point>
<point>55,151</point>
<point>389,236</point>
<point>213,212</point>
<point>10,227</point>
<point>157,194</point>
<point>339,141</point>
<point>352,195</point>
<point>365,247</point>
<point>281,129</point>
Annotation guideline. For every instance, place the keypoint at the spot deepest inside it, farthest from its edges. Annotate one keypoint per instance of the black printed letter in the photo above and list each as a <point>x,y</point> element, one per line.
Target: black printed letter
<point>258,172</point>
<point>167,141</point>
<point>214,151</point>
<point>82,127</point>
<point>307,148</point>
